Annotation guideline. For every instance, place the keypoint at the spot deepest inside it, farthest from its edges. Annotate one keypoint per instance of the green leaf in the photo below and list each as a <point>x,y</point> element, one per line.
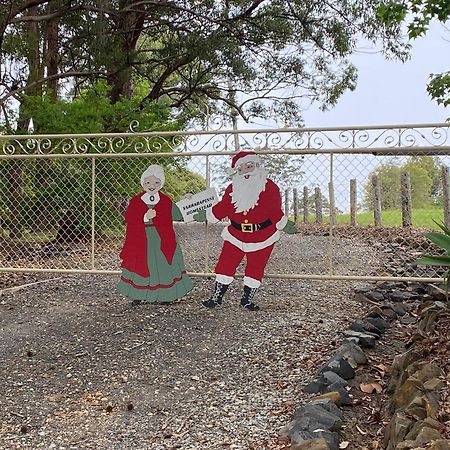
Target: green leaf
<point>441,240</point>
<point>433,261</point>
<point>442,227</point>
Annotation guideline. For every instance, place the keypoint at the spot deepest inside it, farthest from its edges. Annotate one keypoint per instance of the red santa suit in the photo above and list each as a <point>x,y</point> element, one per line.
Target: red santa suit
<point>251,233</point>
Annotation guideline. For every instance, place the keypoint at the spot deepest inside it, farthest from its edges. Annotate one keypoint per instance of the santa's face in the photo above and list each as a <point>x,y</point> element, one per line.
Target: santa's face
<point>248,183</point>
<point>152,184</point>
<point>246,169</point>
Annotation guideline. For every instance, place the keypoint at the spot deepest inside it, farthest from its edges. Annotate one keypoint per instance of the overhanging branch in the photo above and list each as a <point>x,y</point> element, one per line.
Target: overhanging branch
<point>43,80</point>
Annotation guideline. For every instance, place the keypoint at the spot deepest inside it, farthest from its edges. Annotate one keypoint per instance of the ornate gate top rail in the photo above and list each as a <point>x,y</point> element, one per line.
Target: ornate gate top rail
<point>374,137</point>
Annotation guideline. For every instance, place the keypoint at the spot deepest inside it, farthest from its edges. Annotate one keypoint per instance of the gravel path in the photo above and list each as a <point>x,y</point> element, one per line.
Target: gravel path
<point>82,369</point>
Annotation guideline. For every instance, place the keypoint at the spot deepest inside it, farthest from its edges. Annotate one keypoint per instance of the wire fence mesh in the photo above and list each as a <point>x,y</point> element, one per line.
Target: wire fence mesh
<point>63,197</point>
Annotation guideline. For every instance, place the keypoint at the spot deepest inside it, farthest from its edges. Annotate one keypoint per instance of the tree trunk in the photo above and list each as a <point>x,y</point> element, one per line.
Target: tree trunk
<point>16,171</point>
<point>51,58</point>
<point>128,29</point>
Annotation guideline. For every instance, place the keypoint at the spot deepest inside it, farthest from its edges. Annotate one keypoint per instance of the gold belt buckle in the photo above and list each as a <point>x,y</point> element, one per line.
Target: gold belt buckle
<point>247,227</point>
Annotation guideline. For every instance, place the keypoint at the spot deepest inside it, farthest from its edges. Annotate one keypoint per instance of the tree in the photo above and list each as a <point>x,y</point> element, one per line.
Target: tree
<point>421,184</point>
<point>418,14</point>
<point>389,178</point>
<point>425,179</point>
<point>276,53</point>
<point>284,169</point>
<point>433,168</point>
<point>312,204</point>
<point>51,188</point>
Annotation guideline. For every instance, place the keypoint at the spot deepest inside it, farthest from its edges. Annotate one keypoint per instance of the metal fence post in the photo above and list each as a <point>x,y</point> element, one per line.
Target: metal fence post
<point>332,214</point>
<point>93,215</point>
<point>446,196</point>
<point>208,181</point>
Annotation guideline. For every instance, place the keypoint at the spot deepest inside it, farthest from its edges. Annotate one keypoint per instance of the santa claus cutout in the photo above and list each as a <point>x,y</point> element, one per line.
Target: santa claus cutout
<point>252,203</point>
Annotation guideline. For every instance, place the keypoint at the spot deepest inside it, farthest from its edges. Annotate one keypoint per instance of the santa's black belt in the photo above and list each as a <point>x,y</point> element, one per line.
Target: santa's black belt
<point>251,227</point>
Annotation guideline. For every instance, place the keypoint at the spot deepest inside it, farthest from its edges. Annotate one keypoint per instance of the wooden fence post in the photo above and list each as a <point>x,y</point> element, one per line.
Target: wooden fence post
<point>446,196</point>
<point>305,204</point>
<point>295,200</point>
<point>332,212</point>
<point>318,202</point>
<point>353,203</point>
<point>286,202</point>
<point>376,200</point>
<point>405,189</point>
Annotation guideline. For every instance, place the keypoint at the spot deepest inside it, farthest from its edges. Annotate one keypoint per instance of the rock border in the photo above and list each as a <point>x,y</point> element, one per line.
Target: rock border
<point>414,386</point>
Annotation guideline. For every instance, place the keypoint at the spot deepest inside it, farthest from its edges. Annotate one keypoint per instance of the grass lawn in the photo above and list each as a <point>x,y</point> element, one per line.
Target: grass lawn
<point>422,218</point>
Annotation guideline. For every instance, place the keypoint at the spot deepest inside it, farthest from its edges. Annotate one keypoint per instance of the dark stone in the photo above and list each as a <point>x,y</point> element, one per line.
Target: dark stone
<point>376,311</point>
<point>363,289</point>
<point>417,287</point>
<point>354,351</point>
<point>339,365</point>
<point>401,296</point>
<point>331,437</point>
<point>408,320</point>
<point>323,382</point>
<point>365,326</point>
<point>437,292</point>
<point>390,285</point>
<point>299,436</point>
<point>375,296</point>
<point>378,322</point>
<point>399,308</point>
<point>315,417</point>
<point>389,313</point>
<point>345,397</point>
<point>333,377</point>
<point>316,387</point>
<point>329,406</point>
<point>365,340</point>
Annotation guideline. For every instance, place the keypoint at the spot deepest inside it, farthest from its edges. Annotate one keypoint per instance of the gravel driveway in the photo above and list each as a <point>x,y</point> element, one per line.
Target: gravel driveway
<point>82,369</point>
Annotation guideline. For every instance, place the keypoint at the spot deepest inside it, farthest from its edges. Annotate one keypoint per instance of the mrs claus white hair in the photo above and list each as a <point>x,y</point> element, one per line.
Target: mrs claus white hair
<point>156,171</point>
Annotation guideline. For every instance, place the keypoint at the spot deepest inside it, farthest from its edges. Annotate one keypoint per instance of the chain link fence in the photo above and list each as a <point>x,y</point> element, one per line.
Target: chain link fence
<point>63,197</point>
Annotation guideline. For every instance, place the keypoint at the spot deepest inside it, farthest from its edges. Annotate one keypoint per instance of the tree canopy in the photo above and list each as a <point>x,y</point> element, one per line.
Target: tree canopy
<point>418,14</point>
<point>425,179</point>
<point>258,57</point>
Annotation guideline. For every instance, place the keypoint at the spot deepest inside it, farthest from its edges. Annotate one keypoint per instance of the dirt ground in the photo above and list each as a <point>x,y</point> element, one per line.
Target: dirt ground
<point>83,369</point>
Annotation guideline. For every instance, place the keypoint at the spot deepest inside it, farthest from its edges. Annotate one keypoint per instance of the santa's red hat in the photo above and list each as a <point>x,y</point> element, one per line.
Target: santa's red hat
<point>244,157</point>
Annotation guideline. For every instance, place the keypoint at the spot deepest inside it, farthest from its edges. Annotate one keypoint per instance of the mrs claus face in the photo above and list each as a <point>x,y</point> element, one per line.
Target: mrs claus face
<point>152,184</point>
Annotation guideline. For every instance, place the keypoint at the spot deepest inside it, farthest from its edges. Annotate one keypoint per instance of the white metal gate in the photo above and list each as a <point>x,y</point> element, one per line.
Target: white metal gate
<point>63,196</point>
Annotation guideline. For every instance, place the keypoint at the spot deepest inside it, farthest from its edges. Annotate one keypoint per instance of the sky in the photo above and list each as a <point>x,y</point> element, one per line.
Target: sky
<point>392,92</point>
<point>387,93</point>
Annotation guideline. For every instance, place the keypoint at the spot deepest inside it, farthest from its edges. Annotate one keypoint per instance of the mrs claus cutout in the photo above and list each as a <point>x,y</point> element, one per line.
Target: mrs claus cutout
<point>152,262</point>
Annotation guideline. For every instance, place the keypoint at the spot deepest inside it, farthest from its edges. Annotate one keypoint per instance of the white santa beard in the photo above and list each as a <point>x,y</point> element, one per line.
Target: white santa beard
<point>246,192</point>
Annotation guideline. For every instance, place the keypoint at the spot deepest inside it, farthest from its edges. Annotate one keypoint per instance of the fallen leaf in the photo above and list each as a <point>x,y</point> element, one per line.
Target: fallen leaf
<point>344,444</point>
<point>369,388</point>
<point>360,430</point>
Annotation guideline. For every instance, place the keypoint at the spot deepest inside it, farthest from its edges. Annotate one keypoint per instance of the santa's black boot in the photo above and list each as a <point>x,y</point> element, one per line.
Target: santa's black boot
<point>247,299</point>
<point>217,297</point>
